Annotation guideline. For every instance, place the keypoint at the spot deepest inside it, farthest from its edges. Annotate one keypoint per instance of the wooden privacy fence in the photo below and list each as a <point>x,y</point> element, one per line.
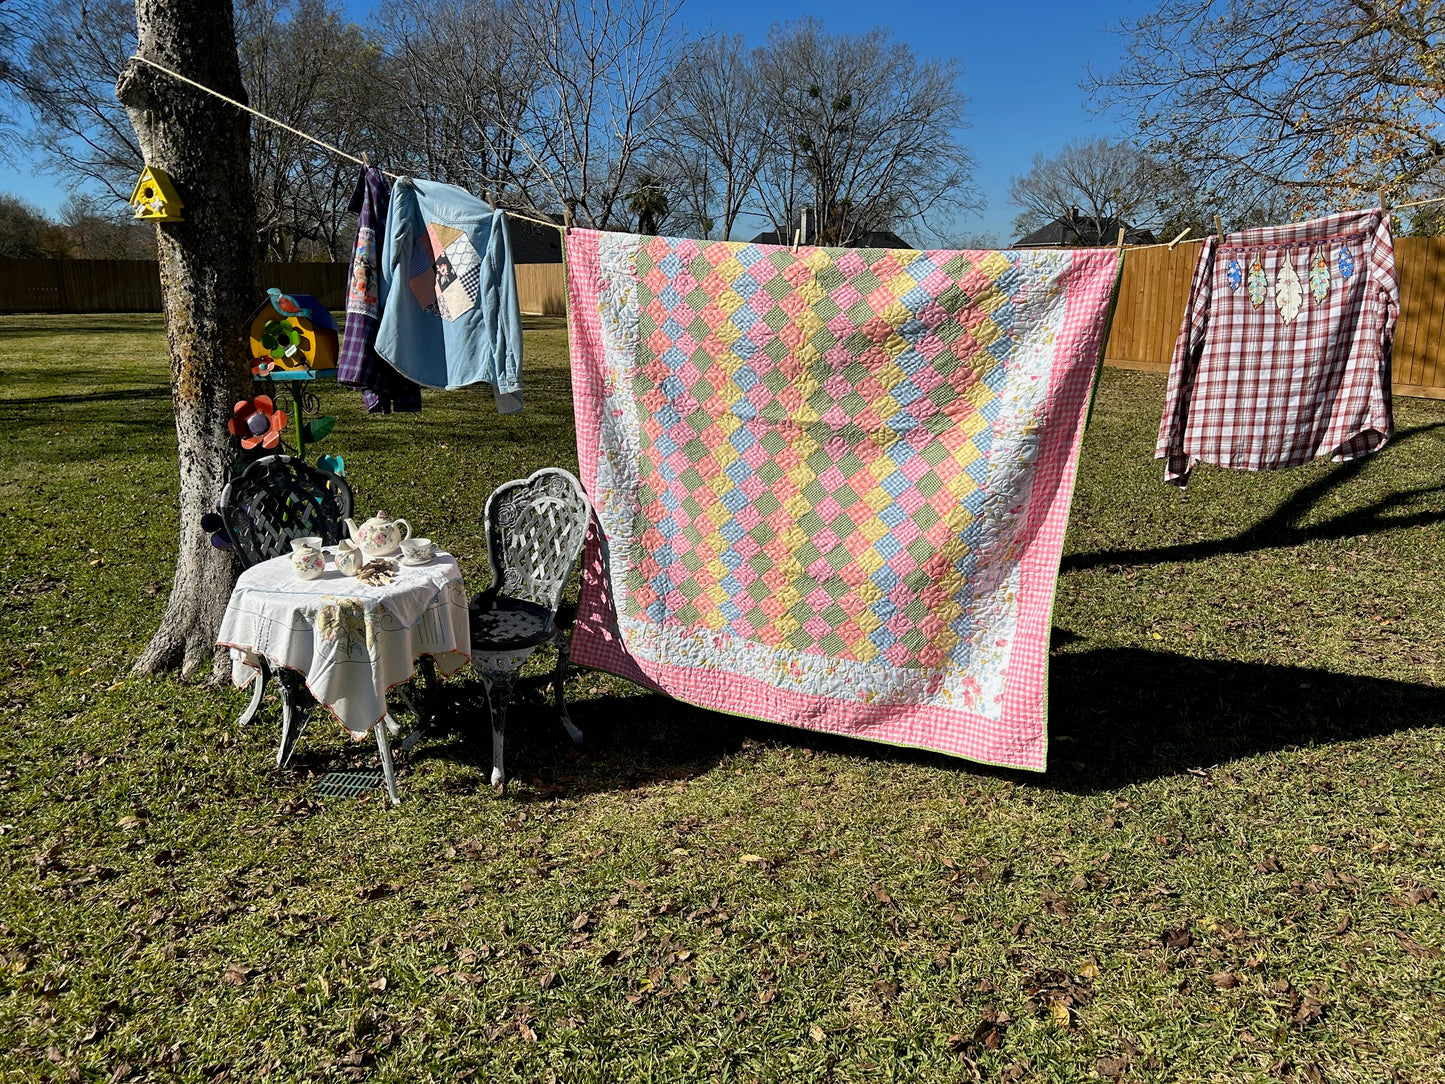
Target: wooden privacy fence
<point>1155,290</point>
<point>135,285</point>
<point>1152,296</point>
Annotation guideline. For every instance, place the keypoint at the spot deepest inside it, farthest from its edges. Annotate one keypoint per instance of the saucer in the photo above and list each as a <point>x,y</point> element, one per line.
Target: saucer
<point>414,563</point>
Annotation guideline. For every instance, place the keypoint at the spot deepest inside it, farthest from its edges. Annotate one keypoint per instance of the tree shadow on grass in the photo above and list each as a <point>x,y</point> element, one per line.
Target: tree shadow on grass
<point>1282,528</point>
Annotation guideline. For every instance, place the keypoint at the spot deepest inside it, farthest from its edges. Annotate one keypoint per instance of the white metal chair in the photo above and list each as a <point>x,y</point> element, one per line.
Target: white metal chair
<point>535,529</point>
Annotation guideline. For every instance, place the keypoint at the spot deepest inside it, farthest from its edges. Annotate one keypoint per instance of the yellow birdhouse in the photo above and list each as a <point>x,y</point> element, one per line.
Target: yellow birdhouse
<point>292,338</point>
<point>155,197</point>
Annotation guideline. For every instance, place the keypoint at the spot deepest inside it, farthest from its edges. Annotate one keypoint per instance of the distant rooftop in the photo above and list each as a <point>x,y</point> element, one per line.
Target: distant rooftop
<point>1072,231</point>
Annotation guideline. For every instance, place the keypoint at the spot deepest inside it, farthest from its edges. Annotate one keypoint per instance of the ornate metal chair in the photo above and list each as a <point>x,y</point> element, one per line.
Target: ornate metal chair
<point>535,530</point>
<point>272,501</point>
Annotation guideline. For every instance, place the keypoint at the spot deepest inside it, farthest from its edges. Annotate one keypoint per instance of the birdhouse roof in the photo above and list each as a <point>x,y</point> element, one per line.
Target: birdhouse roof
<point>320,318</point>
<point>162,181</point>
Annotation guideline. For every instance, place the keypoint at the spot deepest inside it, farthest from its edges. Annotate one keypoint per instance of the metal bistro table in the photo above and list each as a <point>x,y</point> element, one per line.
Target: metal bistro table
<point>349,642</point>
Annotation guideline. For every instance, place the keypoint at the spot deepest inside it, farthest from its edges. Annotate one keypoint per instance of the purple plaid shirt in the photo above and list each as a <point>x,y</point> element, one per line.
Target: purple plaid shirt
<point>1284,353</point>
<point>383,389</point>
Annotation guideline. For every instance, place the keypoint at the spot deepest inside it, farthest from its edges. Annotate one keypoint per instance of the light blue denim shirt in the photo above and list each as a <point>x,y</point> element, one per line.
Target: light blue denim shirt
<point>449,310</point>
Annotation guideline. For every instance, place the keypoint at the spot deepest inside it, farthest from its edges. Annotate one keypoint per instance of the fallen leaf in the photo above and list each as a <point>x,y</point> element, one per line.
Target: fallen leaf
<point>1309,1011</point>
<point>1059,1013</point>
<point>1413,897</point>
<point>377,985</point>
<point>238,975</point>
<point>1413,947</point>
<point>1111,1067</point>
<point>1343,926</point>
<point>752,858</point>
<point>1177,939</point>
<point>582,921</point>
<point>129,822</point>
<point>881,895</point>
<point>1089,970</point>
<point>1225,980</point>
<point>548,980</point>
<point>816,1034</point>
<point>527,1033</point>
<point>377,892</point>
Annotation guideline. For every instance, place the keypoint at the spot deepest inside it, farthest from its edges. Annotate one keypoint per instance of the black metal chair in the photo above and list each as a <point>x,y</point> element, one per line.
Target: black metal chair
<point>273,501</point>
<point>535,530</point>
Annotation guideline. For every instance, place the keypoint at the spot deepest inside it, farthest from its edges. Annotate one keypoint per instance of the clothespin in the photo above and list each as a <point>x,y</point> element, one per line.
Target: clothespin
<point>567,217</point>
<point>1182,234</point>
<point>797,235</point>
<point>491,200</point>
<point>1120,245</point>
<point>1219,229</point>
<point>1384,201</point>
<point>365,160</point>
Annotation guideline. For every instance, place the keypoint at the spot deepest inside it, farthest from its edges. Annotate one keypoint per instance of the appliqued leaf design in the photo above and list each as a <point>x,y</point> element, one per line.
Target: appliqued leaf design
<point>1320,278</point>
<point>1347,263</point>
<point>1258,284</point>
<point>1235,275</point>
<point>1288,294</point>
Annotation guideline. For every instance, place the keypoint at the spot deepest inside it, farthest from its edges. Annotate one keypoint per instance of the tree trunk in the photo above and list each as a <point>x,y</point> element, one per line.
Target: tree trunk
<point>209,282</point>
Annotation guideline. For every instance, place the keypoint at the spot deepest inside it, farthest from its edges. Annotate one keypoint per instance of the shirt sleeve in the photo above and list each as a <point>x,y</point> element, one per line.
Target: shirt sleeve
<point>1382,272</point>
<point>1182,368</point>
<point>509,318</point>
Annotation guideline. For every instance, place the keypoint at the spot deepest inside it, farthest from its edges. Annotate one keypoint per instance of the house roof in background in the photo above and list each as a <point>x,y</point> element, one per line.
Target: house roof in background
<point>1071,232</point>
<point>871,239</point>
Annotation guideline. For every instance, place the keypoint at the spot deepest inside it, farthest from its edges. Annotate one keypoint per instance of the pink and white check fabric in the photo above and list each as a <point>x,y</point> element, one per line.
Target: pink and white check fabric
<point>1254,385</point>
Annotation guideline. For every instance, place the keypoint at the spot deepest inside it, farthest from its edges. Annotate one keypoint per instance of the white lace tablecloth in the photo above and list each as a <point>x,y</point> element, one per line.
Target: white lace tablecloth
<point>352,642</point>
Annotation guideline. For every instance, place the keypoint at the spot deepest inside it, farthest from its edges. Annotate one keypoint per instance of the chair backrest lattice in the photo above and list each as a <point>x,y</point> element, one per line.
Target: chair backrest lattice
<point>535,530</point>
<point>279,498</point>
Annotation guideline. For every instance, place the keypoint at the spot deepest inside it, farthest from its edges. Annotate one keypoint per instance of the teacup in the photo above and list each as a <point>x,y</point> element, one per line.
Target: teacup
<point>312,541</point>
<point>309,561</point>
<point>417,550</point>
<point>349,558</point>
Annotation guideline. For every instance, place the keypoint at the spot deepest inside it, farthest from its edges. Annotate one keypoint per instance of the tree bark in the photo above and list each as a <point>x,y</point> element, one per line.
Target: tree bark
<point>210,284</point>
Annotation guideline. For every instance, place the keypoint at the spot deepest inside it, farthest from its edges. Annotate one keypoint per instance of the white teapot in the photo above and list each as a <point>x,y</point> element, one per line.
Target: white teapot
<point>379,535</point>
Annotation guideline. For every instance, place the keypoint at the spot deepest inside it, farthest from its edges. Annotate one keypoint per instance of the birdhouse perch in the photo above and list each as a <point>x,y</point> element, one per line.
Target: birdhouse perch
<point>155,197</point>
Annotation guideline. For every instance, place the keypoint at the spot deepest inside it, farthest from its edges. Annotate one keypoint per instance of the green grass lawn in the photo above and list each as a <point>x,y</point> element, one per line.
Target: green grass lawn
<point>1228,873</point>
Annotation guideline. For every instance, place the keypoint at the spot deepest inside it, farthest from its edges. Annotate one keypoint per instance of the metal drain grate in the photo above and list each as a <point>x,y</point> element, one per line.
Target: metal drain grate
<point>349,784</point>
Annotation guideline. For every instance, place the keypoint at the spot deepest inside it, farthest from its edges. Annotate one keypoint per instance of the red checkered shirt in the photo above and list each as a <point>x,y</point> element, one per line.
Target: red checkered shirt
<point>1252,391</point>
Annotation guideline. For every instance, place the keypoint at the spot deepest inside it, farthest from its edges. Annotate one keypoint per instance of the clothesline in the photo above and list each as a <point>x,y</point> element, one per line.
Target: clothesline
<point>311,138</point>
<point>516,214</point>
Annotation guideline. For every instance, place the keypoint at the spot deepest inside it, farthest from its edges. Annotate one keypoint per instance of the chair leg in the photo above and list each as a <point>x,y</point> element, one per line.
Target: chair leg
<point>499,697</point>
<point>559,686</point>
<point>258,690</point>
<point>383,746</point>
<point>293,719</point>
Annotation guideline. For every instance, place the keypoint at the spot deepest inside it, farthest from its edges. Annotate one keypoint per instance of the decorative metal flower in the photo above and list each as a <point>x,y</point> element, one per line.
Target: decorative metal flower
<point>257,421</point>
<point>333,463</point>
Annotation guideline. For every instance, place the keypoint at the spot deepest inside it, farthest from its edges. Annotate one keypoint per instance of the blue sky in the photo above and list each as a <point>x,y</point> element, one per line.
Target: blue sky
<point>1021,68</point>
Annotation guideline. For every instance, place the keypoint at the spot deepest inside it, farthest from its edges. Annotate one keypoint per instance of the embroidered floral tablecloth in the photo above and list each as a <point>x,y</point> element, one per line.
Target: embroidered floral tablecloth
<point>352,642</point>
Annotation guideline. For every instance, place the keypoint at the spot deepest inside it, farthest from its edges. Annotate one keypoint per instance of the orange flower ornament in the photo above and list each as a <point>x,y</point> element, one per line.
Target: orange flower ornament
<point>257,421</point>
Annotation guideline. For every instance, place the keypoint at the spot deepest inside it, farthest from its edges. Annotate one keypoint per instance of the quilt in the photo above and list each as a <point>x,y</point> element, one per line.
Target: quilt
<point>831,486</point>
